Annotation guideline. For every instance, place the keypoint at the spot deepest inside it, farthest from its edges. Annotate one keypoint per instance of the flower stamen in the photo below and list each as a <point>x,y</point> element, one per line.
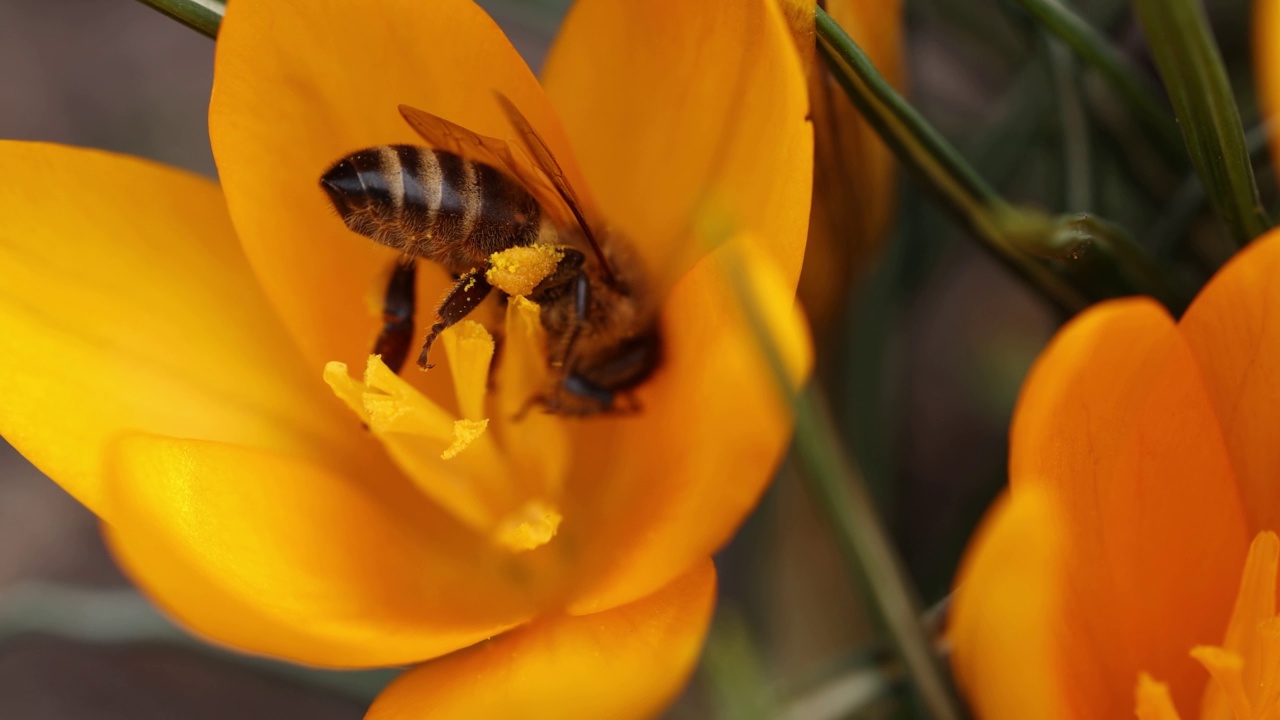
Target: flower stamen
<point>1245,670</point>
<point>455,461</point>
<point>1227,670</point>
<point>1154,701</point>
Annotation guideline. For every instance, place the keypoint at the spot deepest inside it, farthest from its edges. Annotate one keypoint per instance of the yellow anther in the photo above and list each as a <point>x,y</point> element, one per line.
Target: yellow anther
<point>465,432</point>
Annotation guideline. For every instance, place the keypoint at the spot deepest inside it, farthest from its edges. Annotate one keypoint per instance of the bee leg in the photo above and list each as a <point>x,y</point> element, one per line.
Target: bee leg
<point>397,316</point>
<point>466,295</point>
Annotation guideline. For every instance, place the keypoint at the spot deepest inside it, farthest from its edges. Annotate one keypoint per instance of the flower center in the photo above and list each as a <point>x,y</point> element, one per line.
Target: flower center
<point>1245,669</point>
<point>499,476</point>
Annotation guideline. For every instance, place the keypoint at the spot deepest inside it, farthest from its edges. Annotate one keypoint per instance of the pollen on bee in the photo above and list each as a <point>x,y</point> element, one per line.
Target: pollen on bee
<point>518,270</point>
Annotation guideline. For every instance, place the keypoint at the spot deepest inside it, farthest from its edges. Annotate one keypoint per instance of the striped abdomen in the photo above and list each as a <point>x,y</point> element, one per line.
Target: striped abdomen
<point>432,204</point>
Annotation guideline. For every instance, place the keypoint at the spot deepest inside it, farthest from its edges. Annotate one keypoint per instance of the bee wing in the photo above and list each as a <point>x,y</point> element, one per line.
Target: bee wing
<point>452,137</point>
<point>549,172</point>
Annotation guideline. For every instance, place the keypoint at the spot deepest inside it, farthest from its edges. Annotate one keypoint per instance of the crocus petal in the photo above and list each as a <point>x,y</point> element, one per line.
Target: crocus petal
<point>298,86</point>
<point>276,556</point>
<point>674,107</point>
<point>1234,331</point>
<point>1005,619</point>
<point>127,305</point>
<point>626,663</point>
<point>684,472</point>
<point>1115,423</point>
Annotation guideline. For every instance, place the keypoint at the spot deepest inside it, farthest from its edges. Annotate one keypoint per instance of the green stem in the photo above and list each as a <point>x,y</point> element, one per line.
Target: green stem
<point>841,492</point>
<point>1189,199</point>
<point>1191,66</point>
<point>203,16</point>
<point>118,616</point>
<point>733,671</point>
<point>965,193</point>
<point>1095,50</point>
<point>1058,257</point>
<point>848,695</point>
<point>1076,151</point>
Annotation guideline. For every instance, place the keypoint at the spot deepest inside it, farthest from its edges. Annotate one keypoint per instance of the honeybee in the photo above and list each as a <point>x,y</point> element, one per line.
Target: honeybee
<point>464,197</point>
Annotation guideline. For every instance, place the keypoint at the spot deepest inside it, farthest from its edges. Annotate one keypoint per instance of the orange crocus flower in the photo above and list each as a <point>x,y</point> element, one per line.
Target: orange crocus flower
<point>1131,567</point>
<point>176,356</point>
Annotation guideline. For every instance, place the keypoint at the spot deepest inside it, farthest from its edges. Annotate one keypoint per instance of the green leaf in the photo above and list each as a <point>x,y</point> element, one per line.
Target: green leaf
<point>1191,66</point>
<point>1095,50</point>
<point>1026,240</point>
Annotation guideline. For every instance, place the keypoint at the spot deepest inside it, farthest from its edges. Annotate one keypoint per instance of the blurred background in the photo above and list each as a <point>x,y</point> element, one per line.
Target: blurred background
<point>922,362</point>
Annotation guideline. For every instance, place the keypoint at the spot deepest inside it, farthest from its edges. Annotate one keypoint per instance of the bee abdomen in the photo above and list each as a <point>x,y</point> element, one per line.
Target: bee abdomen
<point>432,203</point>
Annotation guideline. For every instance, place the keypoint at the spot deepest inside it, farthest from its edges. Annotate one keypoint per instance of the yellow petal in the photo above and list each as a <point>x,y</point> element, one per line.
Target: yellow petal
<point>275,556</point>
<point>298,86</point>
<point>626,663</point>
<point>127,305</point>
<point>1006,618</point>
<point>1234,332</point>
<point>654,492</point>
<point>1114,423</point>
<point>674,105</point>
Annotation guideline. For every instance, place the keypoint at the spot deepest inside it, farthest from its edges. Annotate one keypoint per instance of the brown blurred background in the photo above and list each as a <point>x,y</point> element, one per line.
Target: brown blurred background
<point>934,343</point>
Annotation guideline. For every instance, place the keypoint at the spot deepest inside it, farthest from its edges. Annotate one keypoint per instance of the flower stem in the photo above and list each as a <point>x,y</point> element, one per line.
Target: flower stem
<point>1191,66</point>
<point>203,16</point>
<point>841,492</point>
<point>1095,50</point>
<point>1168,233</point>
<point>1077,167</point>
<point>733,671</point>
<point>1071,260</point>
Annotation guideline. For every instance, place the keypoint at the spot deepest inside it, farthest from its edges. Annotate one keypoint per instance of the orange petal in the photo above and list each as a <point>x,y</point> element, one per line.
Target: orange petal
<point>299,85</point>
<point>653,493</point>
<point>127,305</point>
<point>626,663</point>
<point>674,107</point>
<point>1234,332</point>
<point>1115,424</point>
<point>279,557</point>
<point>1006,614</point>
